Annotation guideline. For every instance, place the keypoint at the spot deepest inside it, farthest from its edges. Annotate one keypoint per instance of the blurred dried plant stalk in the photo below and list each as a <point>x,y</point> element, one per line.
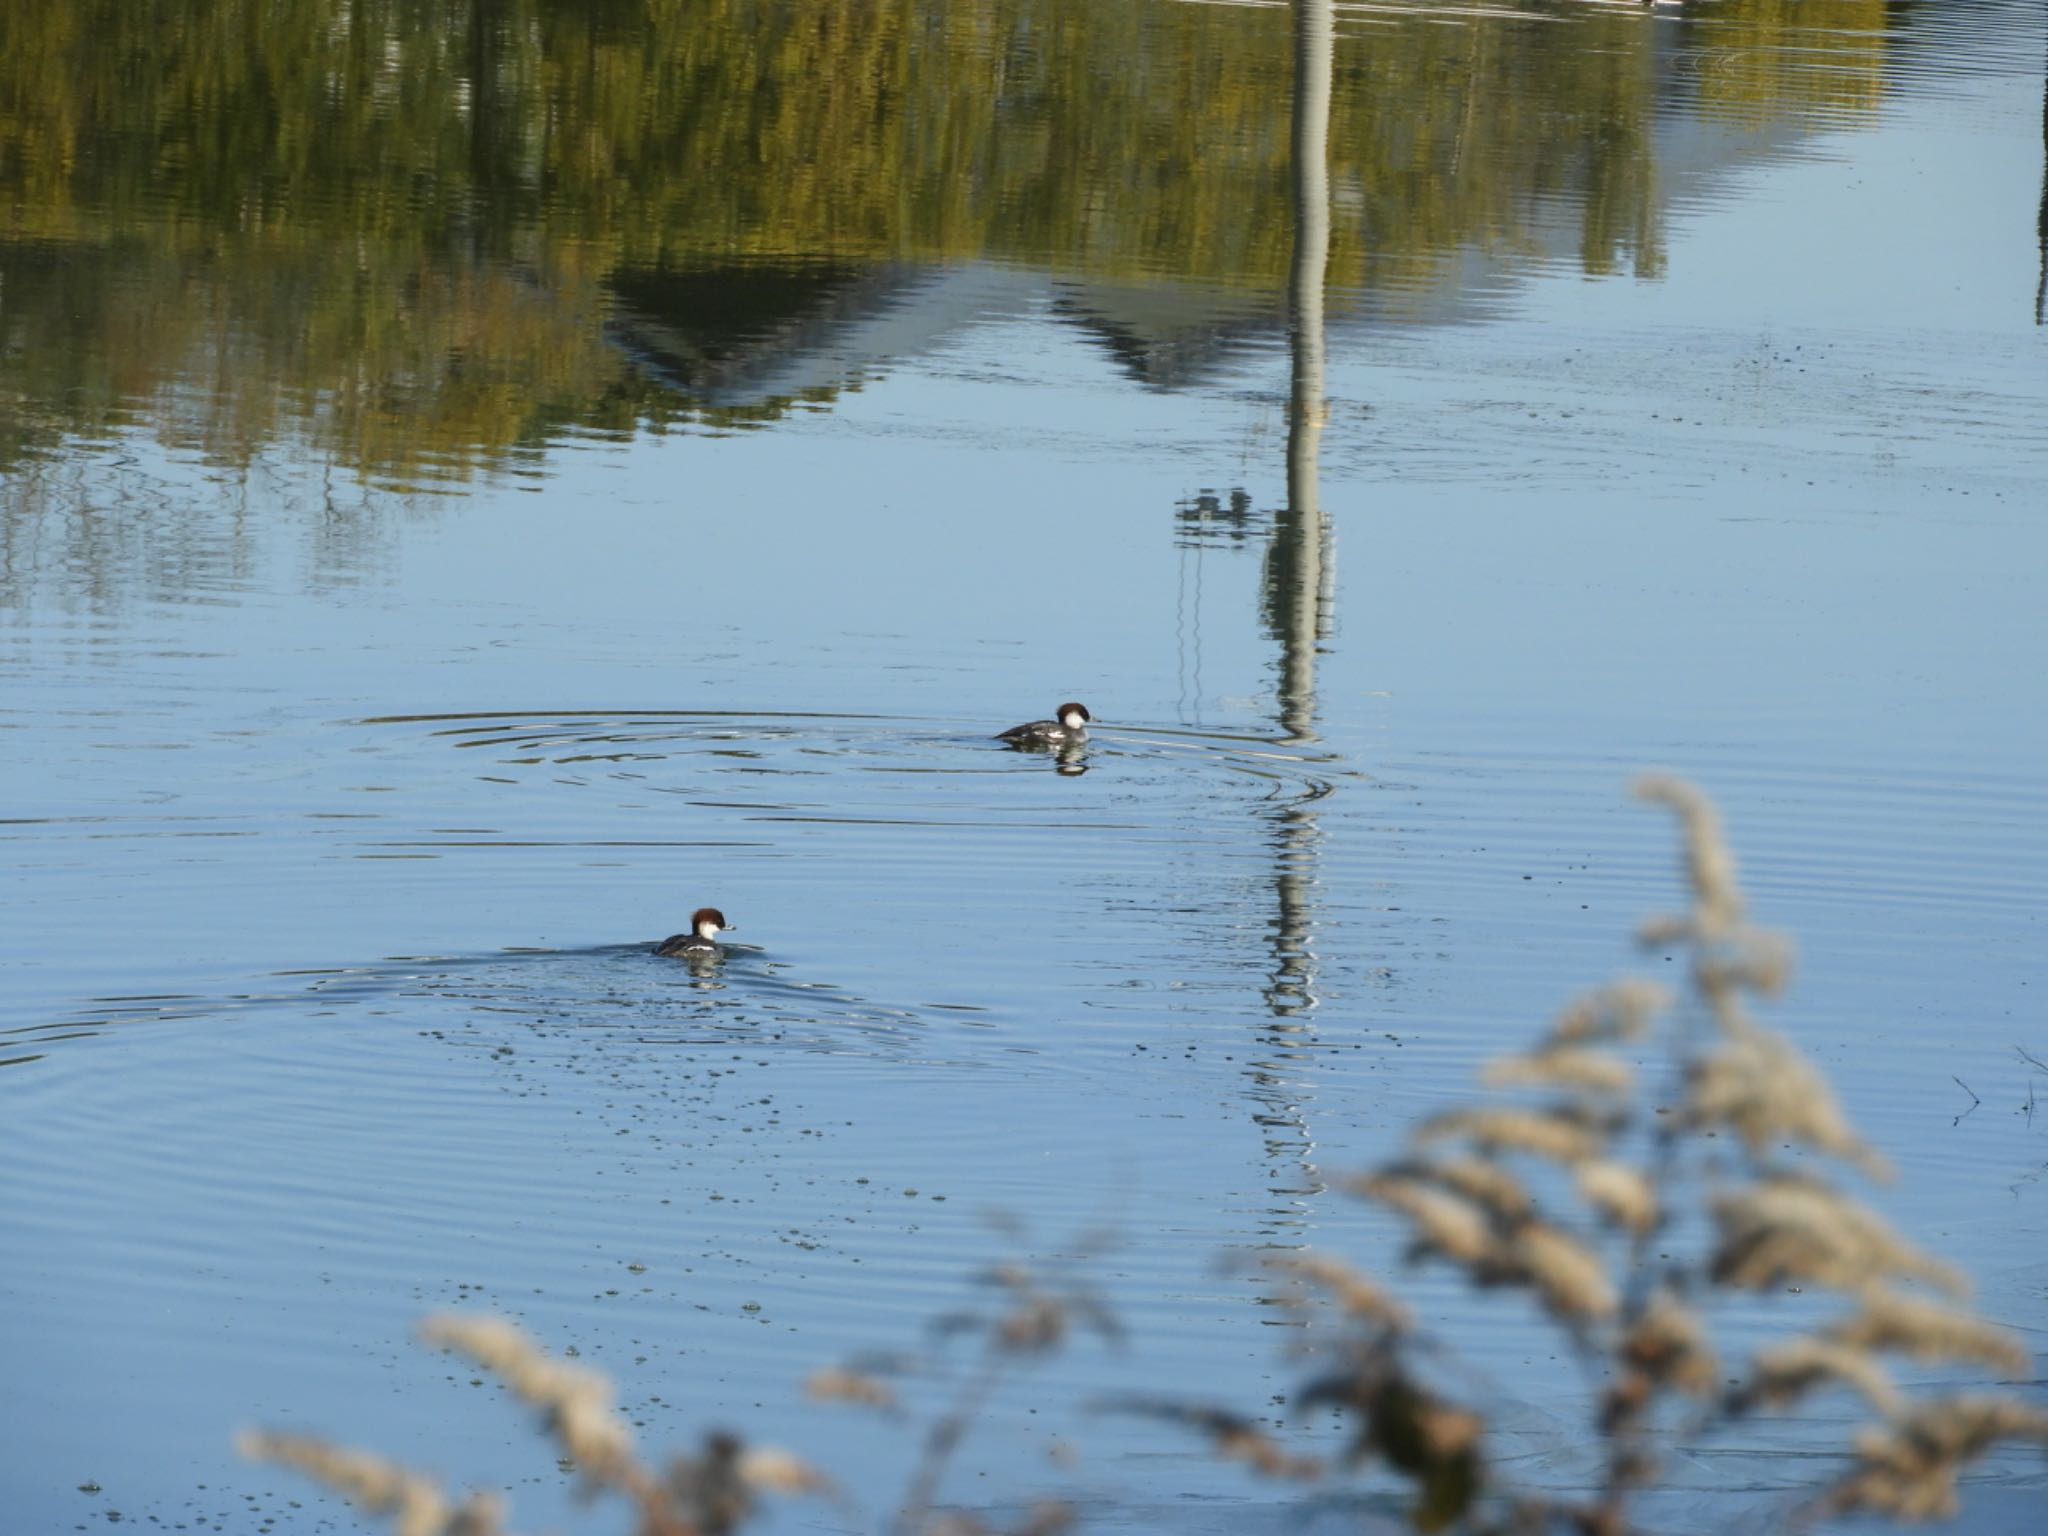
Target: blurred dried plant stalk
<point>708,1494</point>
<point>1629,1216</point>
<point>415,1504</point>
<point>718,1489</point>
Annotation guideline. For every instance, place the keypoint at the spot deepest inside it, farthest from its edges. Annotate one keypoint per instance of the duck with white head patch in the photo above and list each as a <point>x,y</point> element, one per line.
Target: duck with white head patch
<point>1069,728</point>
<point>701,942</point>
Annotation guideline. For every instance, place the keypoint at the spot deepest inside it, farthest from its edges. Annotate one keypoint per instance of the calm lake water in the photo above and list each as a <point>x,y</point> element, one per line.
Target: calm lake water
<point>479,481</point>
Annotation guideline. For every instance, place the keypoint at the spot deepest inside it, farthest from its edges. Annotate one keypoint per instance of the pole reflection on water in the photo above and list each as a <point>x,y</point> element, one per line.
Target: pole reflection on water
<point>1296,600</point>
<point>2041,222</point>
<point>1298,567</point>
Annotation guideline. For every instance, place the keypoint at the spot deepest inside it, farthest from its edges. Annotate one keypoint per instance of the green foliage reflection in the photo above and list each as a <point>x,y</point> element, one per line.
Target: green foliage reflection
<point>394,223</point>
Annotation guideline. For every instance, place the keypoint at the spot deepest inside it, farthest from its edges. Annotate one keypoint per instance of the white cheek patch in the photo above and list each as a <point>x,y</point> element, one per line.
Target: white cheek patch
<point>1071,721</point>
<point>707,930</point>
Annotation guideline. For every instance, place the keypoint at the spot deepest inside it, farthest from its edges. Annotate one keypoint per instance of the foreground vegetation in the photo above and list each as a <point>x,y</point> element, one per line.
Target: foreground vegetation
<point>1653,1166</point>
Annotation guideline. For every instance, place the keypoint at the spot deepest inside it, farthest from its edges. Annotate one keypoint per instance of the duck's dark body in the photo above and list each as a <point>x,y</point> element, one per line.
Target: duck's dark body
<point>688,946</point>
<point>1068,728</point>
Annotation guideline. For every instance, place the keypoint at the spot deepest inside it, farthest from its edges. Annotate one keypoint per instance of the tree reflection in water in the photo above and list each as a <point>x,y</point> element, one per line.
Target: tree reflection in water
<point>403,231</point>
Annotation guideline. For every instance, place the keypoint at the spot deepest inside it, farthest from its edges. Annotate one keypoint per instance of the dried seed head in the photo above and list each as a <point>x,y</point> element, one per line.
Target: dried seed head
<point>1265,1455</point>
<point>1709,866</point>
<point>1927,1330</point>
<point>1359,1297</point>
<point>1755,958</point>
<point>414,1503</point>
<point>1481,1180</point>
<point>1621,1193</point>
<point>1478,1179</point>
<point>1621,1010</point>
<point>837,1384</point>
<point>1567,1275</point>
<point>1783,1374</point>
<point>1234,1437</point>
<point>1787,1228</point>
<point>1036,1323</point>
<point>1542,1133</point>
<point>1669,1345</point>
<point>1561,1066</point>
<point>1907,1469</point>
<point>1444,1223</point>
<point>575,1403</point>
<point>769,1469</point>
<point>1665,930</point>
<point>1758,1085</point>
